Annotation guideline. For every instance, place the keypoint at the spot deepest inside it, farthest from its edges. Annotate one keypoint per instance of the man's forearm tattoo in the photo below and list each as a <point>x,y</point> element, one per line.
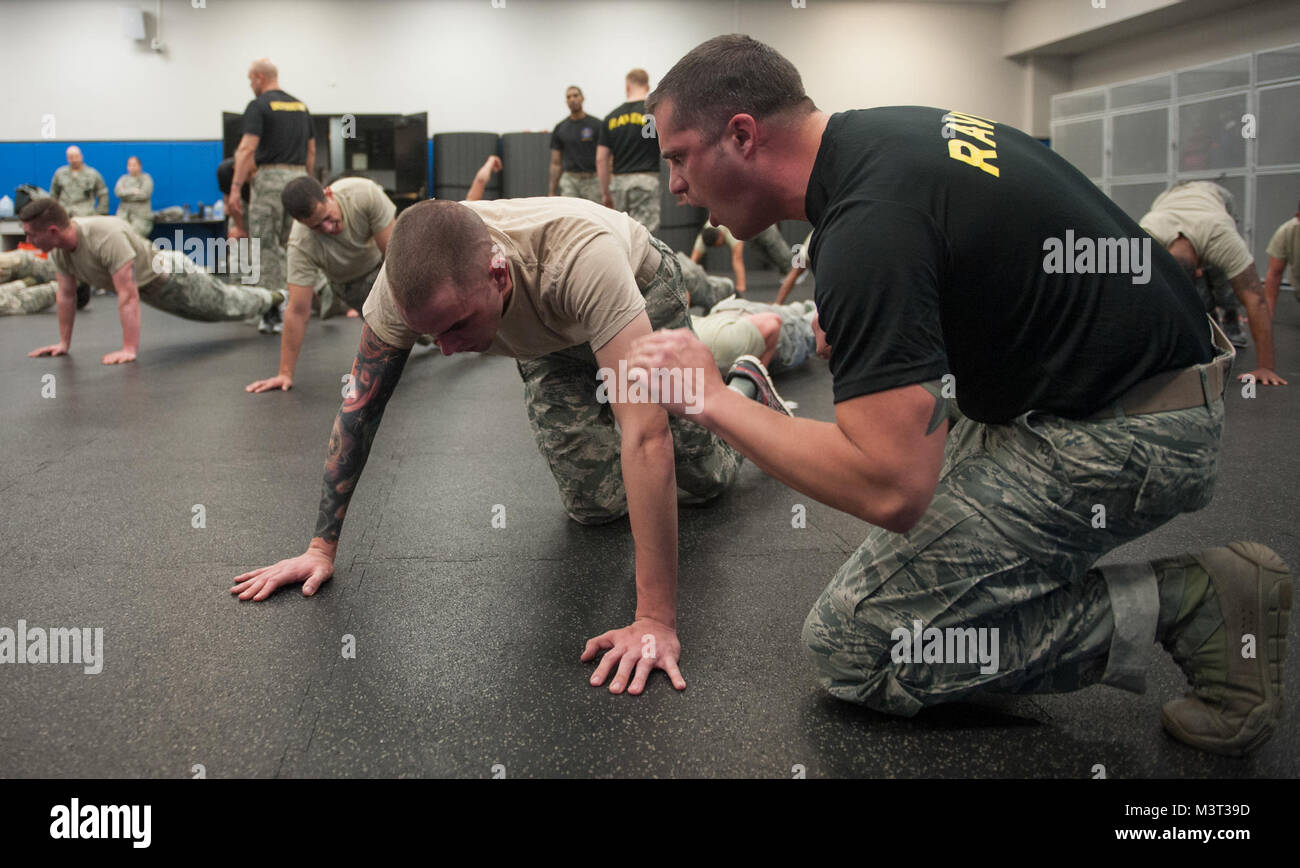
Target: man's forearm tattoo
<point>375,372</point>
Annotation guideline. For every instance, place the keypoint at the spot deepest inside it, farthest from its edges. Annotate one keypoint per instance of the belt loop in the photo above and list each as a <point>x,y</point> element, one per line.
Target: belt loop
<point>1205,388</point>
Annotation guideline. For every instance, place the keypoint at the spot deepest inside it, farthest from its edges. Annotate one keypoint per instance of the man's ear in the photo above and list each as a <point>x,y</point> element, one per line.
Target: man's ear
<point>497,265</point>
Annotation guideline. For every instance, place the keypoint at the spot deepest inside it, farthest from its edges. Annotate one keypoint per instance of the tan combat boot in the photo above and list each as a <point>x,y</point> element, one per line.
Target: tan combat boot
<point>1235,701</point>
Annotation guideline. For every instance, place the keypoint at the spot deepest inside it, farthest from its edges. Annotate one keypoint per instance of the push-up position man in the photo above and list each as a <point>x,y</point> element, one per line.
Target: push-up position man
<point>106,251</point>
<point>1093,405</point>
<point>1194,221</point>
<point>339,237</point>
<point>564,286</point>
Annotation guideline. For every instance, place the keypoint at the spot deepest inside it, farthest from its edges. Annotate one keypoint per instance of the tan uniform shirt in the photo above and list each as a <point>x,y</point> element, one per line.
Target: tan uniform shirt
<point>727,238</point>
<point>1197,212</point>
<point>1285,245</point>
<point>366,210</point>
<point>577,269</point>
<point>81,193</point>
<point>105,244</point>
<point>135,189</point>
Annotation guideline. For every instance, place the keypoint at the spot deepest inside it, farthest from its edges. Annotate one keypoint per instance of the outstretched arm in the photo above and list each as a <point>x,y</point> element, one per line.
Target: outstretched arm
<point>375,372</point>
<point>1273,283</point>
<point>481,178</point>
<point>1250,292</point>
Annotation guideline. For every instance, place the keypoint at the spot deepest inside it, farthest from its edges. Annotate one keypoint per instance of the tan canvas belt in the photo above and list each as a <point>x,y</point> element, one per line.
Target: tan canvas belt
<point>1178,390</point>
<point>299,166</point>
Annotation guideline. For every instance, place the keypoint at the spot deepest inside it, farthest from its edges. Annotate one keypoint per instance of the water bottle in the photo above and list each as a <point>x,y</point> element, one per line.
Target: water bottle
<point>6,206</point>
<point>219,210</point>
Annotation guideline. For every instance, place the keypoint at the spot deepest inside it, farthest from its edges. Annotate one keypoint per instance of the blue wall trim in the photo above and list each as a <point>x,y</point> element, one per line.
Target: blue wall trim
<point>183,172</point>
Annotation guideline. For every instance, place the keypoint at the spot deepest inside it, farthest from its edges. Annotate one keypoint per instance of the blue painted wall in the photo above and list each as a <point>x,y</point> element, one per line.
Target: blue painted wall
<point>183,172</point>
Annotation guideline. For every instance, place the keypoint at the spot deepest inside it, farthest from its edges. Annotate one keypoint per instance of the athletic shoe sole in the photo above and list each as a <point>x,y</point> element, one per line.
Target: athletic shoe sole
<point>754,367</point>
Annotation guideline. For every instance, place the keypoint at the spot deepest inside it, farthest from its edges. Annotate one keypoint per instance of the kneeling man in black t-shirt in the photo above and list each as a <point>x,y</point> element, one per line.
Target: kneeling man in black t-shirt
<point>960,261</point>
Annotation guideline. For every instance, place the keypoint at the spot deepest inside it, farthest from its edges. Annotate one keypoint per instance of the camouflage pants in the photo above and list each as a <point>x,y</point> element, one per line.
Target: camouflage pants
<point>771,246</point>
<point>139,215</point>
<point>636,194</point>
<point>796,341</point>
<point>20,264</point>
<point>1021,513</point>
<point>188,291</point>
<point>576,433</point>
<point>703,289</point>
<point>18,297</point>
<point>269,222</point>
<point>337,296</point>
<point>581,185</point>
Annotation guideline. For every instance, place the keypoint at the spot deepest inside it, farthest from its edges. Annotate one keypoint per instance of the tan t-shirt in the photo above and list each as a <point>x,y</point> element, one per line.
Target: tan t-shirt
<point>105,244</point>
<point>727,238</point>
<point>729,335</point>
<point>366,210</point>
<point>1285,245</point>
<point>1196,211</point>
<point>577,268</point>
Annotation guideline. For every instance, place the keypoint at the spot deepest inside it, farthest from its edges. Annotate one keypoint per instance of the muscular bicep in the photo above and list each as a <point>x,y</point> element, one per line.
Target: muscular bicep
<point>1275,268</point>
<point>67,284</point>
<point>375,371</point>
<point>635,419</point>
<point>901,433</point>
<point>1246,285</point>
<point>124,282</point>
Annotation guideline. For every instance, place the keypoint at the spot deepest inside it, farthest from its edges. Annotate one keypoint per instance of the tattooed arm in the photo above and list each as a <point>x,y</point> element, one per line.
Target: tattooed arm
<point>375,372</point>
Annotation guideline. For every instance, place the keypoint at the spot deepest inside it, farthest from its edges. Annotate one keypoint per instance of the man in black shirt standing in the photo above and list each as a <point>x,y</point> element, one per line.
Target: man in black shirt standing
<point>279,140</point>
<point>958,257</point>
<point>573,151</point>
<point>627,156</point>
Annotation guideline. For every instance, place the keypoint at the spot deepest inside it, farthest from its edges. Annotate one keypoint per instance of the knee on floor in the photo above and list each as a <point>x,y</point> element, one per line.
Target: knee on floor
<point>856,666</point>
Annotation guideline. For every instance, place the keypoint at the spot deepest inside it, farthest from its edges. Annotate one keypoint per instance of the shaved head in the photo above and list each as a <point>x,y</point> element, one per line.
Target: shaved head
<point>265,68</point>
<point>436,246</point>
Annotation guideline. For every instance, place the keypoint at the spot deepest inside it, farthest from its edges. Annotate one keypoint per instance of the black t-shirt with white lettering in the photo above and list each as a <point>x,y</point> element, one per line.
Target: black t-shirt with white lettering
<point>577,140</point>
<point>938,246</point>
<point>283,125</point>
<point>622,134</point>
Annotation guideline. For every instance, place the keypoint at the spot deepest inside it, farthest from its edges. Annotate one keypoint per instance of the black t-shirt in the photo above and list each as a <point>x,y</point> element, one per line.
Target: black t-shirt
<point>577,139</point>
<point>621,133</point>
<point>284,126</point>
<point>932,246</point>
